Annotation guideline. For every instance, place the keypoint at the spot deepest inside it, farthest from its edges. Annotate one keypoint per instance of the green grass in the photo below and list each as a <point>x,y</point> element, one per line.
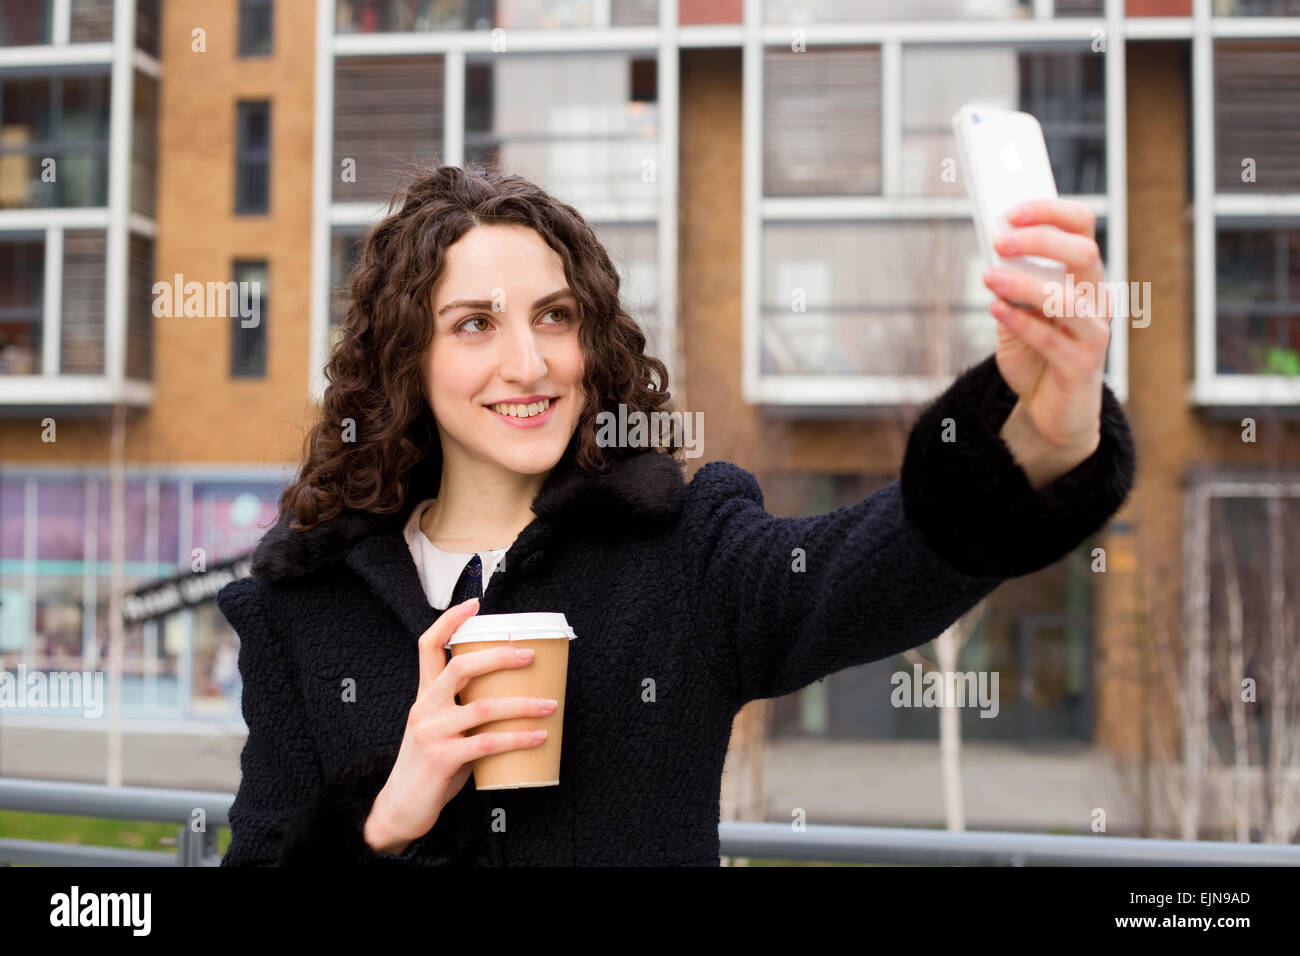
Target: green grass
<point>93,831</point>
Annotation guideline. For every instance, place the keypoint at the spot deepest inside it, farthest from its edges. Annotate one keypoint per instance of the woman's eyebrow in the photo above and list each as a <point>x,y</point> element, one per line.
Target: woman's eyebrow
<point>555,296</point>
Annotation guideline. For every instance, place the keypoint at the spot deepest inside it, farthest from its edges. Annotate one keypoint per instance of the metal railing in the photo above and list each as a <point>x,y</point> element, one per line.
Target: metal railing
<point>193,847</point>
<point>771,841</point>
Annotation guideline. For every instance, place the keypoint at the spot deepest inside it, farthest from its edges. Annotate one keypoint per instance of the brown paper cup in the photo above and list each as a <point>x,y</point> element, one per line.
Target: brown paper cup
<point>548,635</point>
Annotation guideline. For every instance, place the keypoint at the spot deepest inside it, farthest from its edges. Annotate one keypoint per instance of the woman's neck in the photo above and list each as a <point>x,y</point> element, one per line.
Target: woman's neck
<point>479,512</point>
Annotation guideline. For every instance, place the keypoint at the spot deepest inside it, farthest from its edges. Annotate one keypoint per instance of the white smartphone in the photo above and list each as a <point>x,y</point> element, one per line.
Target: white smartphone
<point>1004,163</point>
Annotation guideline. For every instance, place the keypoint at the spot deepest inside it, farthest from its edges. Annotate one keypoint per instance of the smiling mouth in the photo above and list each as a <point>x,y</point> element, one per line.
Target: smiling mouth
<point>523,411</point>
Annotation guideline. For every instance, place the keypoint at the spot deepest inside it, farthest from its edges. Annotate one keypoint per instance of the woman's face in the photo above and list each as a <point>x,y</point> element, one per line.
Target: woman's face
<point>521,354</point>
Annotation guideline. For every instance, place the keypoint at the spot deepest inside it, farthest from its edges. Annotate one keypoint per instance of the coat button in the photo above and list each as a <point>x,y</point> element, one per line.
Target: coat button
<point>531,562</point>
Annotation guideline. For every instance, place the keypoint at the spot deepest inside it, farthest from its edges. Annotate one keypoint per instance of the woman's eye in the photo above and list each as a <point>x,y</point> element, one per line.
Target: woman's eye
<point>476,318</point>
<point>563,313</point>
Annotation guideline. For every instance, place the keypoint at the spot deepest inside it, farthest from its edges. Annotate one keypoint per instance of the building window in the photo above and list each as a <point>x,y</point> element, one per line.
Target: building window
<point>148,25</point>
<point>869,280</point>
<point>255,19</point>
<point>388,118</point>
<point>345,252</point>
<point>1247,207</point>
<point>144,146</point>
<point>1240,621</point>
<point>408,16</point>
<point>54,140</point>
<point>81,330</point>
<point>576,124</point>
<point>821,122</point>
<point>253,157</point>
<point>582,123</point>
<point>139,314</point>
<point>248,320</point>
<point>1257,321</point>
<point>91,21</point>
<point>585,127</point>
<point>25,22</point>
<point>22,286</point>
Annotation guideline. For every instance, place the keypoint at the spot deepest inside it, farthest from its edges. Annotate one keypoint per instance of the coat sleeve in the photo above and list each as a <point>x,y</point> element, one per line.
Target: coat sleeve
<point>286,812</point>
<point>778,603</point>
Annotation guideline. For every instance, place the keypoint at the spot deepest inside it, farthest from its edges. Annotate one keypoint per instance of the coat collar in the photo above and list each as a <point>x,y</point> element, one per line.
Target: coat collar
<point>643,491</point>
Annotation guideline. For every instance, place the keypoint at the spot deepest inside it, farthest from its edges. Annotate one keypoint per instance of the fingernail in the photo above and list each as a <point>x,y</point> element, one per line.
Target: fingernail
<point>471,602</point>
<point>524,654</point>
<point>550,704</point>
<point>1017,213</point>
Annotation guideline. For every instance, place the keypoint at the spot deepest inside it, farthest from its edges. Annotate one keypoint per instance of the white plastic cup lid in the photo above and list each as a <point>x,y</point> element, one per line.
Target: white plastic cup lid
<point>512,627</point>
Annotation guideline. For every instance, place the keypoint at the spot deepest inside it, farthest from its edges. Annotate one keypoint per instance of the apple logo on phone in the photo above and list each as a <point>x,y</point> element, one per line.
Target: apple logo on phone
<point>1010,157</point>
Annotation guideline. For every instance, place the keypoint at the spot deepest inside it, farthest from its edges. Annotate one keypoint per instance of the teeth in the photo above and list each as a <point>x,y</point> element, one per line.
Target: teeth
<point>522,411</point>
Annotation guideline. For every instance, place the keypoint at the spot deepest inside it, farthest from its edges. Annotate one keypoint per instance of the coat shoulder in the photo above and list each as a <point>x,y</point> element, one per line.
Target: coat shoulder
<point>719,481</point>
<point>243,604</point>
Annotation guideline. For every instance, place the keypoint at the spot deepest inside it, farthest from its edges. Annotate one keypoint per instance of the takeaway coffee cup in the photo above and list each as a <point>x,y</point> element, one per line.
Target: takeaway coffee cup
<point>548,635</point>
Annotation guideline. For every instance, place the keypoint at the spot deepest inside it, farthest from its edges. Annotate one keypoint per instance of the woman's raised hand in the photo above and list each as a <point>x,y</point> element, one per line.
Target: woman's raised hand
<point>1052,356</point>
<point>435,756</point>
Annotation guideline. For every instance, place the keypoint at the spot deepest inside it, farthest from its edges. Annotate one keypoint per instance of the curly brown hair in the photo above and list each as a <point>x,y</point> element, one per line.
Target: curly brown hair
<point>374,371</point>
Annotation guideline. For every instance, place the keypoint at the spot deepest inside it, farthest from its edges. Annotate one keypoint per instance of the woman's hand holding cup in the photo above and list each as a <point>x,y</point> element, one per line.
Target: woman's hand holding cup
<point>435,757</point>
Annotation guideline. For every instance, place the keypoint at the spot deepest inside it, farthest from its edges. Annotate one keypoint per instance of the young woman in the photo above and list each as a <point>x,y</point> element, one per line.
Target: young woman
<point>484,335</point>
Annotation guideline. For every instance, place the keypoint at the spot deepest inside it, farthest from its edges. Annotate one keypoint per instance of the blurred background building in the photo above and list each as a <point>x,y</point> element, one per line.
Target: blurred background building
<point>774,181</point>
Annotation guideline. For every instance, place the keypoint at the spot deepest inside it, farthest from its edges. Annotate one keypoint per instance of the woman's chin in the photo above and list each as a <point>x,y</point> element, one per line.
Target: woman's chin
<point>536,462</point>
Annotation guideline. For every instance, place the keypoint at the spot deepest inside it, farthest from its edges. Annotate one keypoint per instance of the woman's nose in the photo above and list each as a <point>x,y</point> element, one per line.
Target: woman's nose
<point>523,362</point>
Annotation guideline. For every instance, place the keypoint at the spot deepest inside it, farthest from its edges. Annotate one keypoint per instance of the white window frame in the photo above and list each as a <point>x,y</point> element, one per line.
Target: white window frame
<point>49,388</point>
<point>815,392</point>
<point>1208,386</point>
<point>1197,547</point>
<point>662,40</point>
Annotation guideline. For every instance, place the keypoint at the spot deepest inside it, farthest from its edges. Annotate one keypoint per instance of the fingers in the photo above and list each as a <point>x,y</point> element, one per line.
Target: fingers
<point>1086,317</point>
<point>1067,214</point>
<point>466,749</point>
<point>501,708</point>
<point>465,667</point>
<point>1074,358</point>
<point>1081,254</point>
<point>433,642</point>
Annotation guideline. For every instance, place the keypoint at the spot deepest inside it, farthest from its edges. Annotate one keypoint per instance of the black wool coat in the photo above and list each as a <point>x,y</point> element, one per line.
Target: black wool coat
<point>692,585</point>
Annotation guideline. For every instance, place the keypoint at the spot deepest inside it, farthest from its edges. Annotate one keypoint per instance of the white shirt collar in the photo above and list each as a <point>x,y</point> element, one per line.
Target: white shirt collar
<point>439,570</point>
